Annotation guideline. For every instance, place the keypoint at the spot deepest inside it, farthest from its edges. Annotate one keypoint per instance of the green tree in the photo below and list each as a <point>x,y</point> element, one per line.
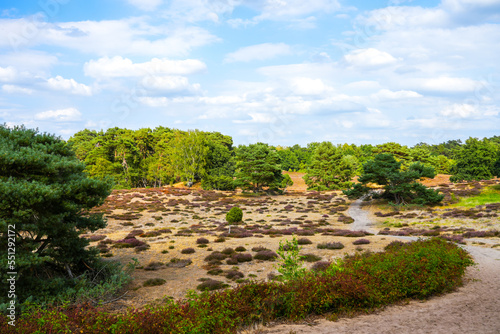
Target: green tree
<point>329,168</point>
<point>189,155</point>
<point>45,201</point>
<point>258,166</point>
<point>400,186</point>
<point>475,160</point>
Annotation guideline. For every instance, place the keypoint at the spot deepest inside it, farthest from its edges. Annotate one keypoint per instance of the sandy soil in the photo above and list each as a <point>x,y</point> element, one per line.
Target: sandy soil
<point>474,308</point>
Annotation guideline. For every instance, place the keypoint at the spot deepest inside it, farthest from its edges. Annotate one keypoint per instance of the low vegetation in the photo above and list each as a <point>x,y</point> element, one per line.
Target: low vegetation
<point>359,282</point>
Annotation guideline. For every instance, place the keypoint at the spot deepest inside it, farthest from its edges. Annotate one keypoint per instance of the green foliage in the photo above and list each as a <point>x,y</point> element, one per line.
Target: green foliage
<point>218,182</point>
<point>234,215</point>
<point>290,266</point>
<point>258,166</point>
<point>475,161</point>
<point>45,200</point>
<point>399,186</point>
<point>359,283</point>
<point>330,169</point>
<point>152,158</point>
<point>287,182</point>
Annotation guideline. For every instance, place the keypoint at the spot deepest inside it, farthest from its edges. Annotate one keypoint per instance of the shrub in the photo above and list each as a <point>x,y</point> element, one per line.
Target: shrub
<point>188,251</point>
<point>154,265</point>
<point>215,256</point>
<point>210,285</point>
<point>259,248</point>
<point>330,245</point>
<point>179,263</point>
<point>234,274</point>
<point>128,243</point>
<point>310,257</point>
<point>321,266</point>
<point>234,215</point>
<point>201,241</point>
<point>361,242</point>
<point>141,248</point>
<point>215,271</point>
<point>154,282</point>
<point>266,255</point>
<point>228,251</point>
<point>242,257</point>
<point>240,249</point>
<point>96,237</point>
<point>304,241</point>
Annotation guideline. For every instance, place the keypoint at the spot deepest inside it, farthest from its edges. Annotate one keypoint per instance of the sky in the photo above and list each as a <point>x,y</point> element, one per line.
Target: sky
<point>282,72</point>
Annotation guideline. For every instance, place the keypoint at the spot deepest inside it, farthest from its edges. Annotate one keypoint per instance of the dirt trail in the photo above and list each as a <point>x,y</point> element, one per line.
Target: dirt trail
<point>473,308</point>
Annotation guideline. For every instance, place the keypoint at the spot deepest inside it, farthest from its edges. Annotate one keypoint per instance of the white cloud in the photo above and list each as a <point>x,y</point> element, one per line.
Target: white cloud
<point>170,84</point>
<point>369,58</point>
<point>309,86</point>
<point>199,10</point>
<point>465,110</point>
<point>60,115</point>
<point>146,5</point>
<point>29,61</point>
<point>286,9</point>
<point>257,118</point>
<point>68,85</point>
<point>131,36</point>
<point>386,94</point>
<point>448,85</point>
<point>123,67</point>
<point>392,17</point>
<point>459,110</point>
<point>8,74</point>
<point>258,52</point>
<point>14,89</point>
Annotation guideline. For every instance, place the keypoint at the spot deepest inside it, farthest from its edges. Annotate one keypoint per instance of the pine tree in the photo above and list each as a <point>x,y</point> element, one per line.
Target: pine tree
<point>258,166</point>
<point>400,187</point>
<point>45,201</point>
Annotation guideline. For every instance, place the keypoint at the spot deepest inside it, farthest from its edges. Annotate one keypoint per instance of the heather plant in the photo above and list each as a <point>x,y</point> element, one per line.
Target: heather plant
<point>266,255</point>
<point>189,250</point>
<point>154,282</point>
<point>304,241</point>
<point>330,245</point>
<point>310,257</point>
<point>361,242</point>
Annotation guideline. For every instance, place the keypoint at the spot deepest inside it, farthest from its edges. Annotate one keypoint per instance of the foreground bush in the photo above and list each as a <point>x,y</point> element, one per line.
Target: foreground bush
<point>360,282</point>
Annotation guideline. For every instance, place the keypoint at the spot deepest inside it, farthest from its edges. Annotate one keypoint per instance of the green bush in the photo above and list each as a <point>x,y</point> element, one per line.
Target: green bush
<point>234,215</point>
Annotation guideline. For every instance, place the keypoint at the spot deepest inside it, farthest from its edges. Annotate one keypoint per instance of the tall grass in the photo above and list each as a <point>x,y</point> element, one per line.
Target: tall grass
<point>361,282</point>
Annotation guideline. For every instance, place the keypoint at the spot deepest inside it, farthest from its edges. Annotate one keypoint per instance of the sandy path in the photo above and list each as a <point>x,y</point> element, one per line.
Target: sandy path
<point>473,308</point>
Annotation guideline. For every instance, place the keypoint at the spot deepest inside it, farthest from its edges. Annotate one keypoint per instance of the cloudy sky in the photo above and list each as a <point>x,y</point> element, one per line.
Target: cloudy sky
<point>278,71</point>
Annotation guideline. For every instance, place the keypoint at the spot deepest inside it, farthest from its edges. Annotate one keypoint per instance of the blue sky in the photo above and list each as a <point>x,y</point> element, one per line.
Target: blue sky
<point>282,72</point>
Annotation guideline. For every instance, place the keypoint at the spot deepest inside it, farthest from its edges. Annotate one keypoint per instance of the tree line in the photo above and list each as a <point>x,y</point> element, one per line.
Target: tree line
<point>162,156</point>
